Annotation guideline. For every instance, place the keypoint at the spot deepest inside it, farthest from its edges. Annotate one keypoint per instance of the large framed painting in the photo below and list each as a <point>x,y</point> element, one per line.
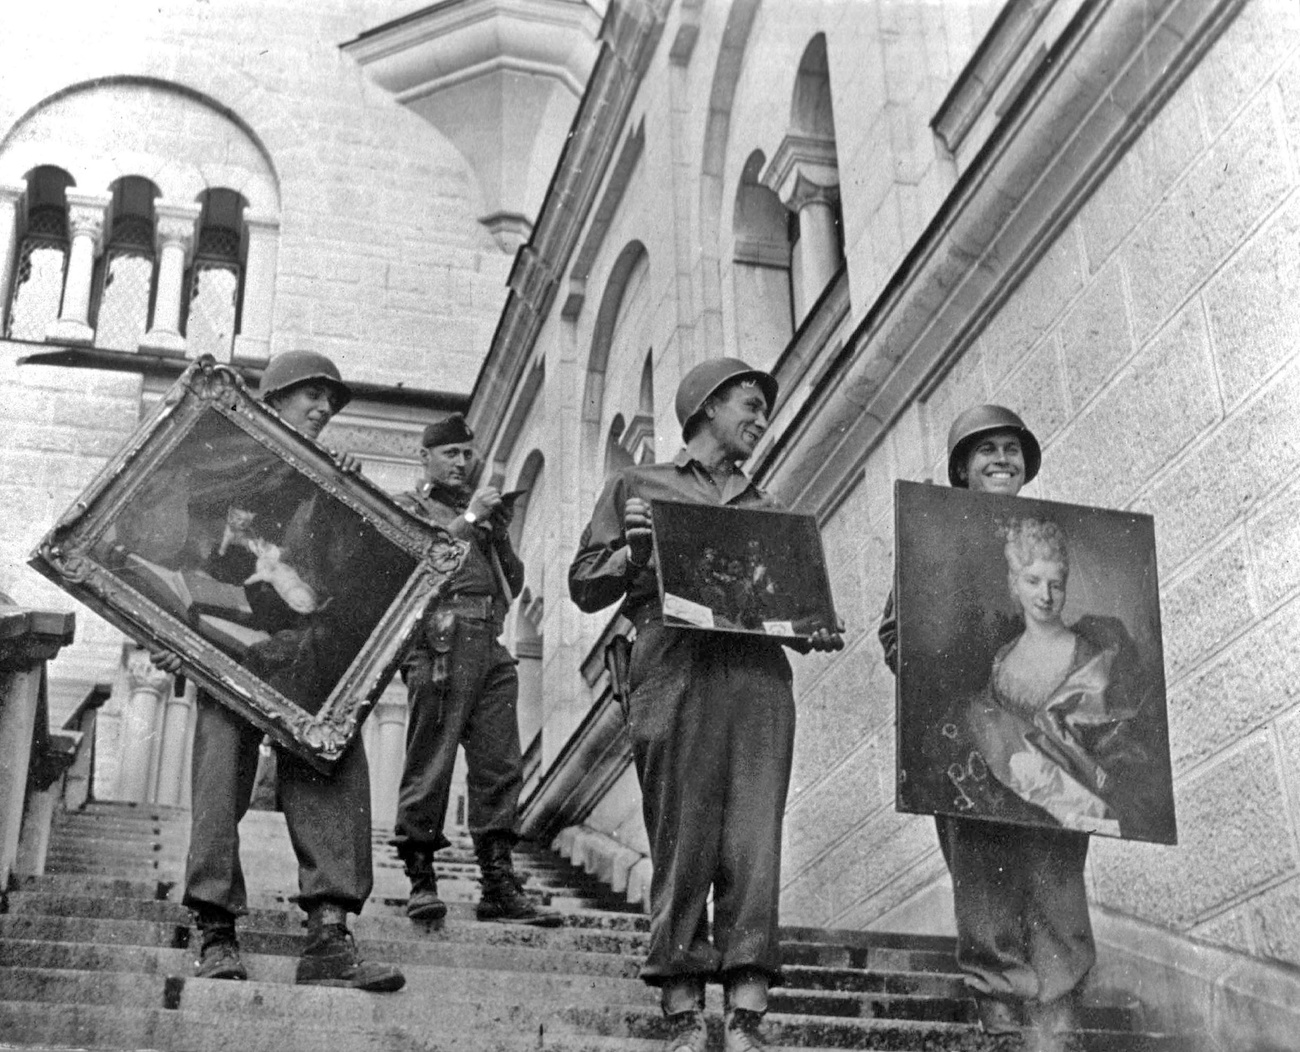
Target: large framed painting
<point>287,587</point>
<point>749,570</point>
<point>1031,682</point>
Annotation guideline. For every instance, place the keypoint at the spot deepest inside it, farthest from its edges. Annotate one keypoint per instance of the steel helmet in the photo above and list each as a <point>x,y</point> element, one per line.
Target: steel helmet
<point>981,420</point>
<point>299,367</point>
<point>707,377</point>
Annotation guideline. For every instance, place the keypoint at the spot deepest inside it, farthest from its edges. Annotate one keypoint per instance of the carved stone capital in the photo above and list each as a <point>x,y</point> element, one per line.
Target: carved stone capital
<point>803,170</point>
<point>175,223</point>
<point>86,215</point>
<point>142,675</point>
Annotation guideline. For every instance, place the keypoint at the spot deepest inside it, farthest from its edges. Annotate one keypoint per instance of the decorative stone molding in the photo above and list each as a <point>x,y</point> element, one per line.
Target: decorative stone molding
<point>803,170</point>
<point>520,64</point>
<point>175,225</point>
<point>86,215</point>
<point>508,229</point>
<point>630,36</point>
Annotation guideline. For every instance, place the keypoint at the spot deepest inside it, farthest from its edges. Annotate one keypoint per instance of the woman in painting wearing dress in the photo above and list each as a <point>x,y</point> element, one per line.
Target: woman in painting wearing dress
<point>1050,724</point>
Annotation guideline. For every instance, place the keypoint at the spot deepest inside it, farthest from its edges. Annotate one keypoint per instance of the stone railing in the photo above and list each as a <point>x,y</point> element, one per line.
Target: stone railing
<point>32,759</point>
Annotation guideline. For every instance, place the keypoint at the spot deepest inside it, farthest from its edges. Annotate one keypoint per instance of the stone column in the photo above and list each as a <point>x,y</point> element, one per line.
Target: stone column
<point>141,723</point>
<point>386,751</point>
<point>253,343</point>
<point>173,748</point>
<point>804,174</point>
<point>86,215</point>
<point>819,251</point>
<point>11,199</point>
<point>174,229</point>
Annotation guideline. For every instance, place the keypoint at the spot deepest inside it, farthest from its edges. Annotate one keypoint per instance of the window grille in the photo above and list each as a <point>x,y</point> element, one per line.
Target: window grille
<point>38,284</point>
<point>213,299</point>
<point>123,316</point>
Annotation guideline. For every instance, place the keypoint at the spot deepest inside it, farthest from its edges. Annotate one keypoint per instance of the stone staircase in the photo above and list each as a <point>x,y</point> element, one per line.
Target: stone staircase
<point>95,954</point>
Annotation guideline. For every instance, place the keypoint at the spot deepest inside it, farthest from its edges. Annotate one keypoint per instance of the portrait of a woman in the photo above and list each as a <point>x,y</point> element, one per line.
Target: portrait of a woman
<point>1050,725</point>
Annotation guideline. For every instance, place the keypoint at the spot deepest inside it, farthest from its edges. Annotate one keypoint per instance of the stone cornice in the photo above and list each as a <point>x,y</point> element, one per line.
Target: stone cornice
<point>446,44</point>
<point>1106,75</point>
<point>802,168</point>
<point>629,34</point>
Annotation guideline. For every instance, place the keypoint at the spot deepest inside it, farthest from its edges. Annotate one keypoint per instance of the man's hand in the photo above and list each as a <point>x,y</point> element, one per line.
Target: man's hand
<point>348,462</point>
<point>825,639</point>
<point>485,503</point>
<point>638,530</point>
<point>165,660</point>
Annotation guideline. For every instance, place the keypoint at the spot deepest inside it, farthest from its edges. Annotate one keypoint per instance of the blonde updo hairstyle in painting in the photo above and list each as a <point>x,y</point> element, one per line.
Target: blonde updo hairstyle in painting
<point>1029,540</point>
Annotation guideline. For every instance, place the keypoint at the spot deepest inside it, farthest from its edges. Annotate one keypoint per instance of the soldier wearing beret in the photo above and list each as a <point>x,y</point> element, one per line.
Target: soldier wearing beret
<point>463,690</point>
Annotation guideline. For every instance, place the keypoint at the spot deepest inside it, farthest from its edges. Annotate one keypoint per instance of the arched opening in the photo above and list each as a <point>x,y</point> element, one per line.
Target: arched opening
<point>761,270</point>
<point>214,281</point>
<point>124,277</point>
<point>37,289</point>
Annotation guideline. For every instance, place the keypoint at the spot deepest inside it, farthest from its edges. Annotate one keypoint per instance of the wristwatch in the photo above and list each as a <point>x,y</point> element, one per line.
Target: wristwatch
<point>470,517</point>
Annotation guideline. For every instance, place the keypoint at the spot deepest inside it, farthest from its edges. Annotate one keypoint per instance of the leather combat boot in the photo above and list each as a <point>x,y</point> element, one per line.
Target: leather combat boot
<point>742,1031</point>
<point>218,946</point>
<point>424,904</point>
<point>331,958</point>
<point>502,898</point>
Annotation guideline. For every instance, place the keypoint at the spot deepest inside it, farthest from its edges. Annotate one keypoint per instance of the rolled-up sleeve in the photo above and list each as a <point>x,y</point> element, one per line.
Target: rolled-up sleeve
<point>601,572</point>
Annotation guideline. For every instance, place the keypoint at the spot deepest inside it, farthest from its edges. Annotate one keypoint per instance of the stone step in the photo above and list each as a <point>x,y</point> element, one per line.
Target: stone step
<point>247,1015</point>
<point>30,900</point>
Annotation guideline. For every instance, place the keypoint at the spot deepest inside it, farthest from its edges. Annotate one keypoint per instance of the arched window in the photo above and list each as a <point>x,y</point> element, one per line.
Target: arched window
<point>125,278</point>
<point>37,289</point>
<point>804,172</point>
<point>616,456</point>
<point>213,284</point>
<point>762,274</point>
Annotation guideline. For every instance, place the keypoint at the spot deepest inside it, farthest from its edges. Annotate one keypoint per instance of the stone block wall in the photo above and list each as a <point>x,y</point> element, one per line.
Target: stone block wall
<point>381,261</point>
<point>1155,348</point>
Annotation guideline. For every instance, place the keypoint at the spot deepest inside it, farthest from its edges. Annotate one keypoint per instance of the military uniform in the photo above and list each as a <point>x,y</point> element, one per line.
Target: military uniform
<point>462,688</point>
<point>712,720</point>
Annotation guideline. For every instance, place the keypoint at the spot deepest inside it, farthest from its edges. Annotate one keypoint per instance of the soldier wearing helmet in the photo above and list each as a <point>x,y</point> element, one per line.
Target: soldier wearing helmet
<point>711,719</point>
<point>293,562</point>
<point>1024,941</point>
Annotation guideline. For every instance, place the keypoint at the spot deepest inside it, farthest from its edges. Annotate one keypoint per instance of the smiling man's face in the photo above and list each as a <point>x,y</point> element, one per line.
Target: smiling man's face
<point>996,464</point>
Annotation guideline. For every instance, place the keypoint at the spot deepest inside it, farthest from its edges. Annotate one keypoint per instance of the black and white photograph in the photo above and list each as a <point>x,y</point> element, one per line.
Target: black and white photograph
<point>1038,623</point>
<point>628,317</point>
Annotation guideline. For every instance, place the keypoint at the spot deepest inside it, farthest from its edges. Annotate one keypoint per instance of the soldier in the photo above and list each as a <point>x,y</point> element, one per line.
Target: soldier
<point>711,718</point>
<point>328,815</point>
<point>1024,939</point>
<point>463,690</point>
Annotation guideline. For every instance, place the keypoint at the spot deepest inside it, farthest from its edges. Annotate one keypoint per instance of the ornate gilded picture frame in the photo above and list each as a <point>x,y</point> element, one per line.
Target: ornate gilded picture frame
<point>287,586</point>
<point>1031,685</point>
<point>751,570</point>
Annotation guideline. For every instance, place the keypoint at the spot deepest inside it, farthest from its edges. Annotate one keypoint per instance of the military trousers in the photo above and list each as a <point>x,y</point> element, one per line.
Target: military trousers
<point>1021,906</point>
<point>473,703</point>
<point>711,718</point>
<point>328,816</point>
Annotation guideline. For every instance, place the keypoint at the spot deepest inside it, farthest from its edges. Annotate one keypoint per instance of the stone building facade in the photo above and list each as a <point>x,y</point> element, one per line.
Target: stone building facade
<point>1084,211</point>
<point>236,178</point>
